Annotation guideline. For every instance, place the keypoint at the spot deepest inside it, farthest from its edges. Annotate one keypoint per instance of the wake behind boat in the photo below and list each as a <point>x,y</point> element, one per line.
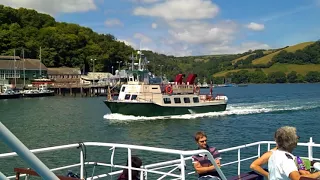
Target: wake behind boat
<point>140,97</point>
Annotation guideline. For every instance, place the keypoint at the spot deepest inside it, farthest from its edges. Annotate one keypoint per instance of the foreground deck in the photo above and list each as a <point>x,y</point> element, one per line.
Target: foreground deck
<point>162,169</point>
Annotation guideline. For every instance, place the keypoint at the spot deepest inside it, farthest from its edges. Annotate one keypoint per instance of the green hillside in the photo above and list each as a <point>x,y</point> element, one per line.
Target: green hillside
<point>71,45</point>
<point>286,68</point>
<point>266,59</point>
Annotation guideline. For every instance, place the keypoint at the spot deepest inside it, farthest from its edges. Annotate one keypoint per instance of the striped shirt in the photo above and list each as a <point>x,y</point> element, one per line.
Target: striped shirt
<point>205,162</point>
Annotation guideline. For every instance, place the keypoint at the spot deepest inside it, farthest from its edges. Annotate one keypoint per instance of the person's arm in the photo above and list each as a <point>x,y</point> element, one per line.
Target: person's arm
<point>256,165</point>
<point>291,171</point>
<point>295,175</point>
<point>201,170</point>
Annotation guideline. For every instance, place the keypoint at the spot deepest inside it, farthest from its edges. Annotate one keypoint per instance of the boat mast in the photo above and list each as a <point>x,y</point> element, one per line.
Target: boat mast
<point>132,62</point>
<point>24,71</point>
<point>14,67</point>
<point>40,63</point>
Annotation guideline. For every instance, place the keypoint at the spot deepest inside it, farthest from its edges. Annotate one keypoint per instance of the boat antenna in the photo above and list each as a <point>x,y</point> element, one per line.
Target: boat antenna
<point>139,52</point>
<point>132,61</point>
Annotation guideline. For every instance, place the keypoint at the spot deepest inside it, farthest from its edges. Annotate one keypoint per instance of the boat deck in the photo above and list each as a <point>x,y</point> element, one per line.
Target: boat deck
<point>165,169</point>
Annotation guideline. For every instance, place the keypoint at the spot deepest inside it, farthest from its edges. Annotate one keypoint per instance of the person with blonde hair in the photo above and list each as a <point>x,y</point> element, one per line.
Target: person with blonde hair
<point>281,164</point>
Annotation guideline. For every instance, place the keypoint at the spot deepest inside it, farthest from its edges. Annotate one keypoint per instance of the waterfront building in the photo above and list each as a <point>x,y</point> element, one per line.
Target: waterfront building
<point>15,70</point>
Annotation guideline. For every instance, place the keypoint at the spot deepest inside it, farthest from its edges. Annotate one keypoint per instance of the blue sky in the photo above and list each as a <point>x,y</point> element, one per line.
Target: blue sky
<point>191,27</point>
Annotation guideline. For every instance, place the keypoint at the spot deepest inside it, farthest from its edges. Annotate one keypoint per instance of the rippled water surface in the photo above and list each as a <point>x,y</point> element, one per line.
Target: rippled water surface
<point>253,114</point>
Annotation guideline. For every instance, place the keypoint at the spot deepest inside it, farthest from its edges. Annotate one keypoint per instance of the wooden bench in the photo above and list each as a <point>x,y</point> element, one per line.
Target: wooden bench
<point>247,176</point>
<point>33,173</point>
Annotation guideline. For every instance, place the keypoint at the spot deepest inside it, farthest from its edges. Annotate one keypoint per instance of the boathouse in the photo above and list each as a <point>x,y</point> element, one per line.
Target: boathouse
<point>15,69</point>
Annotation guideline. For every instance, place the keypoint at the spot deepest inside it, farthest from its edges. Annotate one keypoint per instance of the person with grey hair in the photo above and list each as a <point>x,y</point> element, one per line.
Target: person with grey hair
<point>281,164</point>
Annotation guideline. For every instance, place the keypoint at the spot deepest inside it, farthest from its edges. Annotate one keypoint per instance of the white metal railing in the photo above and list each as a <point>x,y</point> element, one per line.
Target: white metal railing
<point>155,168</point>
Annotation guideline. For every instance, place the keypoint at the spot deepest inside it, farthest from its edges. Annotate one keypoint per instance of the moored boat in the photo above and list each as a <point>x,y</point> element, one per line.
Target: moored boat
<point>41,92</point>
<point>7,93</point>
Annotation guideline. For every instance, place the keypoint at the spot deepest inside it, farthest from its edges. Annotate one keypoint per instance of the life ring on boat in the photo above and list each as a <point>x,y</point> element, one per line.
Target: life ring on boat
<point>196,89</point>
<point>168,89</point>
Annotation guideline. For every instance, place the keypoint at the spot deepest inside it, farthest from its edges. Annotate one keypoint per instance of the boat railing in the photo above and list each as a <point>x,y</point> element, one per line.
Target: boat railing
<point>177,167</point>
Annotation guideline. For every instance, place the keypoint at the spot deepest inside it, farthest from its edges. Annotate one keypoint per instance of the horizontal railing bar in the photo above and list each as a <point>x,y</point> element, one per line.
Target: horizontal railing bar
<point>166,162</point>
<point>55,169</point>
<point>48,149</point>
<point>156,166</point>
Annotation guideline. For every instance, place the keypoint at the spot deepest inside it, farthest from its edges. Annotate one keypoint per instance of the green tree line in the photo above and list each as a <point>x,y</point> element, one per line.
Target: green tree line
<point>63,44</point>
<point>258,76</point>
<point>67,44</point>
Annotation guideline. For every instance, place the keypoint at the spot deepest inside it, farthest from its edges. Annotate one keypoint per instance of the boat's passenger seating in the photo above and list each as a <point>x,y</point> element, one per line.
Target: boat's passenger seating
<point>247,176</point>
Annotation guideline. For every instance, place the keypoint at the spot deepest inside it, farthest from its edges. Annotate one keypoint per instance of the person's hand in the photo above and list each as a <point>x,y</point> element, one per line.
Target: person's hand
<point>304,172</point>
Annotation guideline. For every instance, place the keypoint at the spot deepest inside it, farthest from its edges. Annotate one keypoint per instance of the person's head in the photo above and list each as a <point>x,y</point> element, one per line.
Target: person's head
<point>286,138</point>
<point>201,139</point>
<point>135,162</point>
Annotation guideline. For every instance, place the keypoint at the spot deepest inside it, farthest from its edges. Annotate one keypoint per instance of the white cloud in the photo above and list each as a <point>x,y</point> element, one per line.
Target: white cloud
<point>196,32</point>
<point>113,22</point>
<point>143,38</point>
<point>255,26</point>
<point>180,9</point>
<point>190,32</point>
<point>154,25</point>
<point>232,49</point>
<point>128,42</point>
<point>53,7</point>
<point>145,1</point>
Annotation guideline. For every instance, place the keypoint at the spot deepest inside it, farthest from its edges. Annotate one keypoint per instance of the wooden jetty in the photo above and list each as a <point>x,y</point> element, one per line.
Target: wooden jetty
<point>78,89</point>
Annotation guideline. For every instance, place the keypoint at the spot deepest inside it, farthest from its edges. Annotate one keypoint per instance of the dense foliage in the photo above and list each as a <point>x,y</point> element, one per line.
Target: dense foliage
<point>63,44</point>
<point>66,44</point>
<point>308,55</point>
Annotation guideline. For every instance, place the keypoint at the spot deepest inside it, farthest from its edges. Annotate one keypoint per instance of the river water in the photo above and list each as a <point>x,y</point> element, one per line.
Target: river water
<point>253,114</point>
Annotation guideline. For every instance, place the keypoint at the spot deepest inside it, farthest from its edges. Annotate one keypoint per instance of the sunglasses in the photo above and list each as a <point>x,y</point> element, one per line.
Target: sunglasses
<point>203,141</point>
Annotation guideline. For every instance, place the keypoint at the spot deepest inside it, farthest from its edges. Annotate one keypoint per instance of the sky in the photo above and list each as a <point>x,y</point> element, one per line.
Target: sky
<point>190,27</point>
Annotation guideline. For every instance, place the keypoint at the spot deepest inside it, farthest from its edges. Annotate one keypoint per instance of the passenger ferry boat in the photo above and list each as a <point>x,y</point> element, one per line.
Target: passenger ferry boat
<point>169,164</point>
<point>140,97</point>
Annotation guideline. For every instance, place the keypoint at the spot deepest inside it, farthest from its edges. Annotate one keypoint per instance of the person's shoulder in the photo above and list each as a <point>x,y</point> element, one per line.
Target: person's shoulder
<point>283,155</point>
<point>212,149</point>
<point>289,155</point>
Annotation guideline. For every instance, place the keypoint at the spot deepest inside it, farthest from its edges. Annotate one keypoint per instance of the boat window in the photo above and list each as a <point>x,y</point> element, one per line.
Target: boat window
<point>177,100</point>
<point>195,99</point>
<point>134,97</point>
<point>127,96</point>
<point>123,88</point>
<point>186,100</point>
<point>167,100</point>
<point>154,88</point>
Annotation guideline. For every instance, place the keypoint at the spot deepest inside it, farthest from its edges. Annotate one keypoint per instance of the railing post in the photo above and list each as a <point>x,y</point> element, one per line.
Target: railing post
<point>81,164</point>
<point>239,161</point>
<point>129,164</point>
<point>183,173</point>
<point>310,149</point>
<point>259,147</point>
<point>268,146</point>
<point>16,145</point>
<point>2,176</point>
<point>141,173</point>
